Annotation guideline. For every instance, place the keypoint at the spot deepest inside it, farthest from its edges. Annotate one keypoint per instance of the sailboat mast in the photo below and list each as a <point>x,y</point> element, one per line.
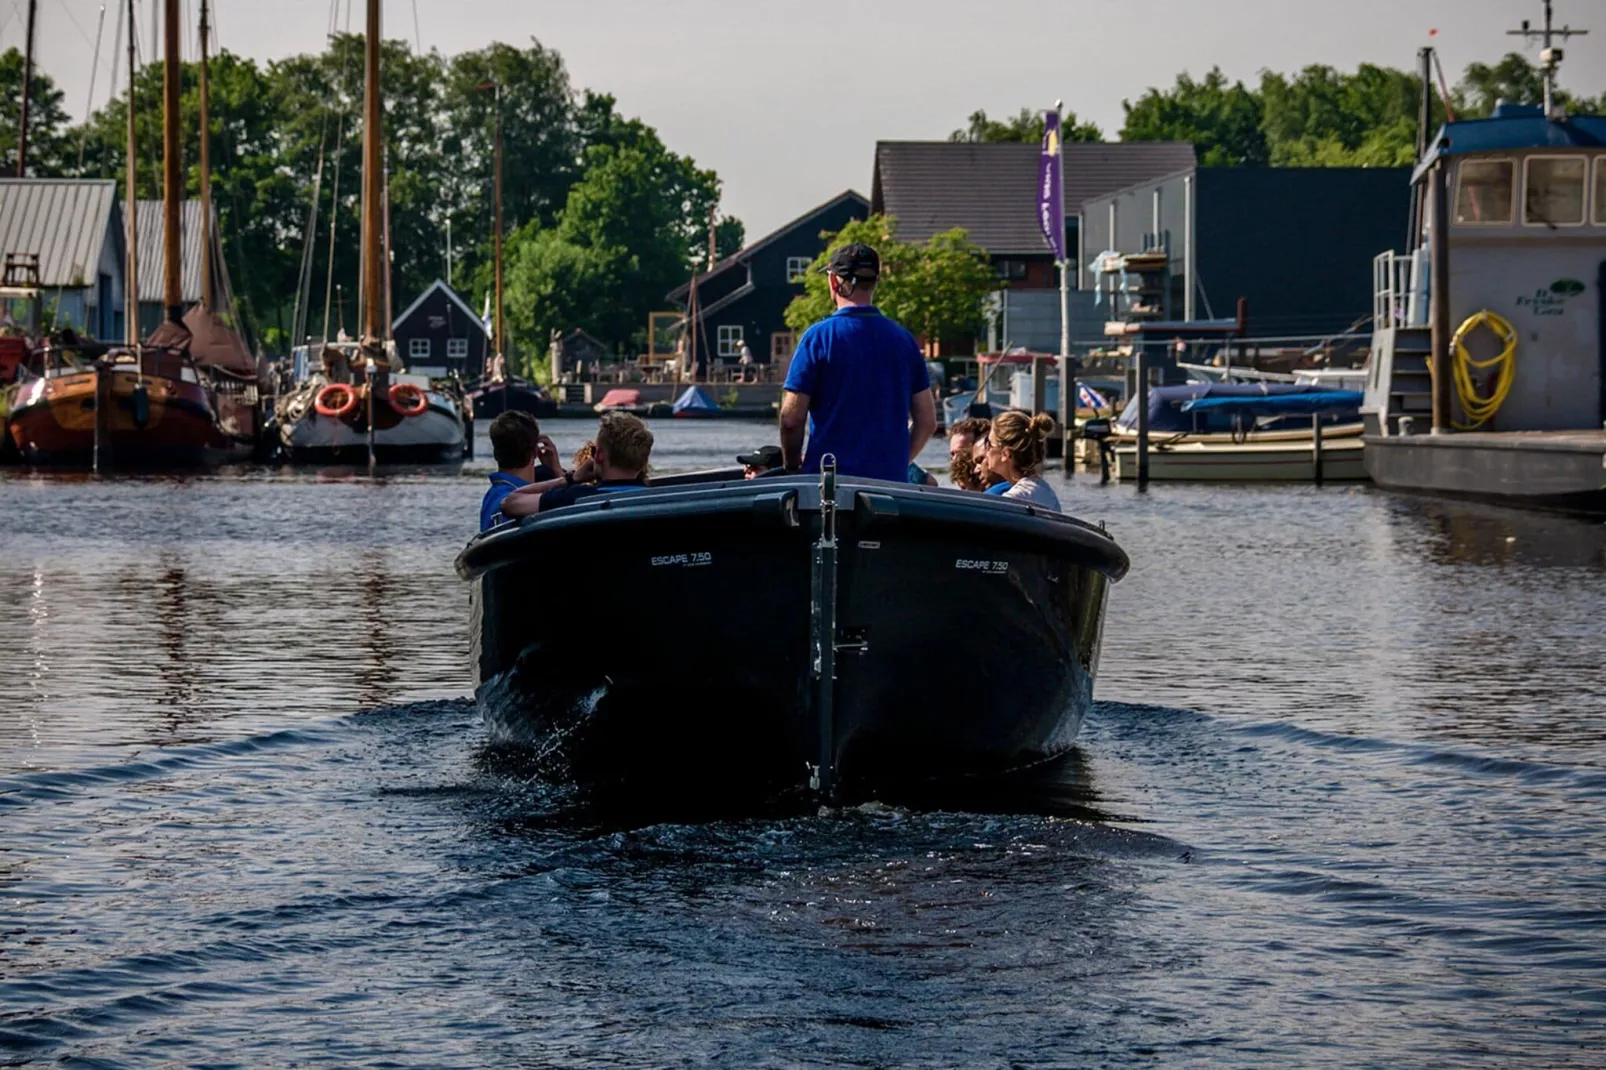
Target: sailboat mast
<point>27,87</point>
<point>131,206</point>
<point>372,190</point>
<point>172,169</point>
<point>501,345</point>
<point>206,168</point>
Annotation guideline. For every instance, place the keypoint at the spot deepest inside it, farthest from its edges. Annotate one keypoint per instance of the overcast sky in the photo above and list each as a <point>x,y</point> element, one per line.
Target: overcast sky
<point>786,99</point>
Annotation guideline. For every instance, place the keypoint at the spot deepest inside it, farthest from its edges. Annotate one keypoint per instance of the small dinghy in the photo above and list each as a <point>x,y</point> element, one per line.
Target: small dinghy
<point>797,637</point>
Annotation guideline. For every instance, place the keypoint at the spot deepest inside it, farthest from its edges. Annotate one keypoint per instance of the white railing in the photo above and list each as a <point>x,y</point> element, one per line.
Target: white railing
<point>1399,290</point>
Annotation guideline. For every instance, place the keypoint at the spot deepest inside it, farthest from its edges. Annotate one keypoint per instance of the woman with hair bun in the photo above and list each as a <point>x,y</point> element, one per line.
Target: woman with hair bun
<point>1016,444</point>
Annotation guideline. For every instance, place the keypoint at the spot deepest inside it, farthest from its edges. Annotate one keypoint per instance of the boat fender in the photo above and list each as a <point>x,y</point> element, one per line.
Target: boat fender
<point>408,400</point>
<point>142,405</point>
<point>336,400</point>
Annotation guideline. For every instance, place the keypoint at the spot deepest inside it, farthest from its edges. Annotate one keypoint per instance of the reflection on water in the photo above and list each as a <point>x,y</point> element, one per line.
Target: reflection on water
<point>1340,805</point>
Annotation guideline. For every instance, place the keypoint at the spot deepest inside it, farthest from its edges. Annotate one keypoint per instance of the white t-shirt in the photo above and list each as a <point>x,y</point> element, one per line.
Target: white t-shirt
<point>1034,490</point>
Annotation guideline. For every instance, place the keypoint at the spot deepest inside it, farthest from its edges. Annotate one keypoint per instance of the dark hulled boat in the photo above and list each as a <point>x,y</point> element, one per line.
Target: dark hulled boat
<point>785,637</point>
<point>493,397</point>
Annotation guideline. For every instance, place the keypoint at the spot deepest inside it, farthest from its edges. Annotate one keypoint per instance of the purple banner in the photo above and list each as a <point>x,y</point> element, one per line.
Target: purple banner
<point>1051,187</point>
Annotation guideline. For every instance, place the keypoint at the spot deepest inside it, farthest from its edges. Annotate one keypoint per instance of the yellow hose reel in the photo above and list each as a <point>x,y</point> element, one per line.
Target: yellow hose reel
<point>1477,407</point>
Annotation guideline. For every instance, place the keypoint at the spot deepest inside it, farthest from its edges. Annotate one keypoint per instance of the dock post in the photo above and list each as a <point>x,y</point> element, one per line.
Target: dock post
<point>1143,416</point>
<point>823,780</point>
<point>1439,293</point>
<point>1316,446</point>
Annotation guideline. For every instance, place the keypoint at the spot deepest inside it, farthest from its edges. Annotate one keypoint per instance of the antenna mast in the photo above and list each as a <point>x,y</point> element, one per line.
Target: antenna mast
<point>1550,56</point>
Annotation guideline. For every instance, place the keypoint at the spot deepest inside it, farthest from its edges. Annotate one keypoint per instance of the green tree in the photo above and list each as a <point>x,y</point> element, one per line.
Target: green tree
<point>541,148</point>
<point>1223,121</point>
<point>1322,117</point>
<point>48,144</point>
<point>1027,126</point>
<point>1512,79</point>
<point>631,230</point>
<point>935,288</point>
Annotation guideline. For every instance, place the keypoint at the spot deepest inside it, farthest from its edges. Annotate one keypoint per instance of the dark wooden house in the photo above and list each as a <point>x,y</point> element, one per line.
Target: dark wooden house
<point>438,334</point>
<point>743,298</point>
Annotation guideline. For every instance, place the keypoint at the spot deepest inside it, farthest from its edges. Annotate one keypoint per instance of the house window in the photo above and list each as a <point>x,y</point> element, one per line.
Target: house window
<point>730,340</point>
<point>457,349</point>
<point>1553,191</point>
<point>1483,193</point>
<point>1013,270</point>
<point>1600,191</point>
<point>797,267</point>
<point>418,348</point>
<point>781,345</point>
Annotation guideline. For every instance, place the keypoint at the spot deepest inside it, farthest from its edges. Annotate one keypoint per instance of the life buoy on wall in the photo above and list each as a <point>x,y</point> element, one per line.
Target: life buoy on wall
<point>408,399</point>
<point>335,400</point>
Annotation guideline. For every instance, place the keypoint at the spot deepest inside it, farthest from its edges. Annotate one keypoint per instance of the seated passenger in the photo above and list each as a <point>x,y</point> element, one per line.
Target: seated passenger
<point>1015,447</point>
<point>523,456</point>
<point>760,461</point>
<point>624,446</point>
<point>964,463</point>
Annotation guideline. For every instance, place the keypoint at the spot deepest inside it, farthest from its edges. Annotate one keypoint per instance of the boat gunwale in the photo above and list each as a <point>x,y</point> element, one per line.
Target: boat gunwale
<point>783,500</point>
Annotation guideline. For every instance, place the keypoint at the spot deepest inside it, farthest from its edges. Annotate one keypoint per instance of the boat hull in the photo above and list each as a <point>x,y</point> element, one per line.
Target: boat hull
<point>1255,462</point>
<point>1560,471</point>
<point>691,670</point>
<point>492,401</point>
<point>435,435</point>
<point>52,421</point>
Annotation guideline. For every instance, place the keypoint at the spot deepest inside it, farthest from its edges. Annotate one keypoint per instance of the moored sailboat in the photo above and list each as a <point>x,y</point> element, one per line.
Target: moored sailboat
<point>144,405</point>
<point>361,403</point>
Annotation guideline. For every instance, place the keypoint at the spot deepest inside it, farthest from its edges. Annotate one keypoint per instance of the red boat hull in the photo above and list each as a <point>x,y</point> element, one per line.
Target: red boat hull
<point>53,420</point>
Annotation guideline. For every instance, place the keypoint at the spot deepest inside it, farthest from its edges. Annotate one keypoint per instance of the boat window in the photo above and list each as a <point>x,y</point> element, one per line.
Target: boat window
<point>1553,191</point>
<point>1600,191</point>
<point>1483,192</point>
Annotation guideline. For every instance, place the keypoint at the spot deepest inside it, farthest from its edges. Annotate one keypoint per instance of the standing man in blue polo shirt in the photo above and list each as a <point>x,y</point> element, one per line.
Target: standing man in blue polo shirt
<point>857,382</point>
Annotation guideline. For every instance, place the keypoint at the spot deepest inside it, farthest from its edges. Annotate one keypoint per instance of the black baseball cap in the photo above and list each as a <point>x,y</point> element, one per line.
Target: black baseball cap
<point>854,261</point>
<point>761,457</point>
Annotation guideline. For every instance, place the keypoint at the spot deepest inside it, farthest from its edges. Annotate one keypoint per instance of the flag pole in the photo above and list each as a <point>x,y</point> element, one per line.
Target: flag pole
<point>1053,215</point>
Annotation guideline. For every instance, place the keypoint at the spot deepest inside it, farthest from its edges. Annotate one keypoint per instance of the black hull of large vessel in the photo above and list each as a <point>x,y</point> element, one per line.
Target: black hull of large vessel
<point>662,645</point>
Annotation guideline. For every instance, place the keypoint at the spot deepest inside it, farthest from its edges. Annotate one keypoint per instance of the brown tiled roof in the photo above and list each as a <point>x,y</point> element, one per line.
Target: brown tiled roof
<point>990,188</point>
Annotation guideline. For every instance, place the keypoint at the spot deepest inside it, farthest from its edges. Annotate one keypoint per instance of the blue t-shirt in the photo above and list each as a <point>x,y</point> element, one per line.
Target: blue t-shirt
<point>503,484</point>
<point>860,371</point>
<point>999,488</point>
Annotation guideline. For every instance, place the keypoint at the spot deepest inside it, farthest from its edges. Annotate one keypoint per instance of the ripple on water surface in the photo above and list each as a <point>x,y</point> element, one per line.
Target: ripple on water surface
<point>1341,805</point>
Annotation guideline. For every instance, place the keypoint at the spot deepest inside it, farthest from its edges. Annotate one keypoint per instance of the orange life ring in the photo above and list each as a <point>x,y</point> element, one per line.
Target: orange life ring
<point>336,400</point>
<point>408,400</point>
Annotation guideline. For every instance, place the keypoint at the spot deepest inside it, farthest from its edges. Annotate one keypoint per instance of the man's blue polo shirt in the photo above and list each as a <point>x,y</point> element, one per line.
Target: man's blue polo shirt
<point>860,371</point>
<point>503,484</point>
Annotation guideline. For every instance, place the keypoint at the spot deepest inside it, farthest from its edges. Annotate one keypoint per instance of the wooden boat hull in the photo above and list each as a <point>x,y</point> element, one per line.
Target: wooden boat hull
<point>1256,462</point>
<point>52,420</point>
<point>688,668</point>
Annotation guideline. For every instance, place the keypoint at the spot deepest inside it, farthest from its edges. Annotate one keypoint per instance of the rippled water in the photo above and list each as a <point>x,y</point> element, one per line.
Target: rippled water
<point>1341,804</point>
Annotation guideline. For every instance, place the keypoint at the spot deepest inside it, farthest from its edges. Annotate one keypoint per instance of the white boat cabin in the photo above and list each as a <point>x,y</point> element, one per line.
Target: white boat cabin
<point>1525,204</point>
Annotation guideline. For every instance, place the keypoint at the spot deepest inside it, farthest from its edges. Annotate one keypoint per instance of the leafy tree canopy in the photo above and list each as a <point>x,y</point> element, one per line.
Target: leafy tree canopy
<point>1027,126</point>
<point>49,147</point>
<point>935,288</point>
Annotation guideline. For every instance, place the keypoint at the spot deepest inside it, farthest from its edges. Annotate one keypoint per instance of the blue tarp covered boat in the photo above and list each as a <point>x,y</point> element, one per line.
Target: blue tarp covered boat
<point>1218,408</point>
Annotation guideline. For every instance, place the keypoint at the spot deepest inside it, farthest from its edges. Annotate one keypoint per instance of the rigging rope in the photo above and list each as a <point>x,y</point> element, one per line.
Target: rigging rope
<point>1478,408</point>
